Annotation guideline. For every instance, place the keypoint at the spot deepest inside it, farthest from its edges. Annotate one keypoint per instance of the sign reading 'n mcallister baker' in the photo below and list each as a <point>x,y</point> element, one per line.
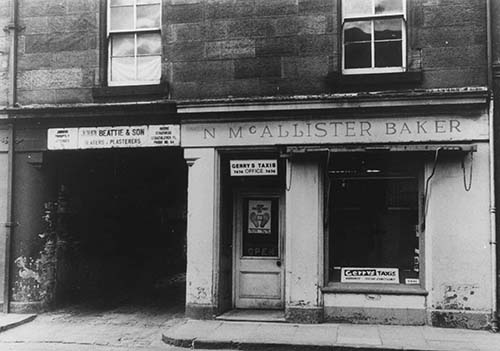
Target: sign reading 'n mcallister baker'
<point>336,131</point>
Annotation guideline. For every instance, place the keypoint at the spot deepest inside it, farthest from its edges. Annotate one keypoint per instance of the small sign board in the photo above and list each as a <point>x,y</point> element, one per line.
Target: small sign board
<point>243,168</point>
<point>412,281</point>
<point>62,138</point>
<point>113,137</point>
<point>369,275</point>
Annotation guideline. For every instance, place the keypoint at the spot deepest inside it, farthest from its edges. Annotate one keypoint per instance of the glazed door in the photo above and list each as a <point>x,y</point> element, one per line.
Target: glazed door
<point>258,254</point>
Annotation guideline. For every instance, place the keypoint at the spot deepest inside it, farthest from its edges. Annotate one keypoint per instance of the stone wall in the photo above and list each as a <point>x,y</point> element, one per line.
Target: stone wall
<point>4,52</point>
<point>58,51</point>
<point>221,48</point>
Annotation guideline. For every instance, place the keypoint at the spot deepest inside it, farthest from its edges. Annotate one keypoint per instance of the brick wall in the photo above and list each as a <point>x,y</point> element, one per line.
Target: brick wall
<point>220,48</point>
<point>58,51</point>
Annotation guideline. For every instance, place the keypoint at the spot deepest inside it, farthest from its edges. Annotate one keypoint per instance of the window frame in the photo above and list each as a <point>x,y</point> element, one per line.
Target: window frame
<point>415,171</point>
<point>135,31</point>
<point>371,18</point>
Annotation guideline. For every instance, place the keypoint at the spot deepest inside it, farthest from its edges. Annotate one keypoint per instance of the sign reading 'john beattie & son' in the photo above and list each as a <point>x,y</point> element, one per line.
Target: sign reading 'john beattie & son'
<point>113,137</point>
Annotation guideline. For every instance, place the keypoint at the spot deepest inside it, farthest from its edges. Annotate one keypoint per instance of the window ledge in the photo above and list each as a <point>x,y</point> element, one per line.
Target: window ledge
<point>369,81</point>
<point>368,288</point>
<point>130,92</point>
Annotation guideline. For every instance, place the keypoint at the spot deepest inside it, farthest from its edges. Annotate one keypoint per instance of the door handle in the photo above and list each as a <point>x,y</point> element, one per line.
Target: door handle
<point>278,263</point>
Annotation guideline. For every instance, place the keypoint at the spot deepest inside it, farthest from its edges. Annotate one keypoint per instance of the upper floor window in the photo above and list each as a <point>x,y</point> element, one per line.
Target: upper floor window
<point>374,36</point>
<point>134,42</point>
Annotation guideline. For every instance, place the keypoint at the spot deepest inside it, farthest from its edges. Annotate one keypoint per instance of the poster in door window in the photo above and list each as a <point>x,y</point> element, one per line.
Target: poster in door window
<point>259,217</point>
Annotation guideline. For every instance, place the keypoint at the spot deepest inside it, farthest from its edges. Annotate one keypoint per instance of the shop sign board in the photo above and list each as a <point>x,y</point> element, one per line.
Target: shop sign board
<point>337,131</point>
<point>253,168</point>
<point>113,137</point>
<point>369,275</point>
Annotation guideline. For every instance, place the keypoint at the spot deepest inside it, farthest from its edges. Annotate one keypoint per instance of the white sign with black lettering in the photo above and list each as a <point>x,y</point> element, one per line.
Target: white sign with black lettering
<point>243,168</point>
<point>369,275</point>
<point>113,137</point>
<point>62,138</point>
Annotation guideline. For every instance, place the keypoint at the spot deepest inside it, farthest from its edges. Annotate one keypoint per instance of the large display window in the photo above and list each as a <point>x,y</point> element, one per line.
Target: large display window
<point>373,202</point>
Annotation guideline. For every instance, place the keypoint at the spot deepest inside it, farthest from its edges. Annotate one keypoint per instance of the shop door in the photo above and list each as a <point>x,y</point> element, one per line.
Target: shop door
<point>258,254</point>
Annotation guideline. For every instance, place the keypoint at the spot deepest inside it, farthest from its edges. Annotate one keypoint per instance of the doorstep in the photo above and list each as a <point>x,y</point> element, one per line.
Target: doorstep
<point>237,315</point>
<point>215,334</point>
<point>12,320</point>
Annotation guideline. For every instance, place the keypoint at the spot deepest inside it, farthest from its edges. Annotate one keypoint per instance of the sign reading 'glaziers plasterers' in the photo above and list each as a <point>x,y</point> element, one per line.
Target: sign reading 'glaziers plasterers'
<point>369,275</point>
<point>113,137</point>
<point>253,167</point>
<point>336,131</point>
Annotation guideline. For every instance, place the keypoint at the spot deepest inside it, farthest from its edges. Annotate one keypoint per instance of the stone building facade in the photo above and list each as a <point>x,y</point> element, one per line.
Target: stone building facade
<point>367,127</point>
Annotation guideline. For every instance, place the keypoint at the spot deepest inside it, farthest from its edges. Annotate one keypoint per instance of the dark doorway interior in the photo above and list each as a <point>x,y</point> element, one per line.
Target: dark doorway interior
<point>126,225</point>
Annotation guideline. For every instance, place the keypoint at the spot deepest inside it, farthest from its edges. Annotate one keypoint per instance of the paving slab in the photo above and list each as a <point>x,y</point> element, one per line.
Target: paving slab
<point>12,320</point>
<point>328,337</point>
<point>359,334</point>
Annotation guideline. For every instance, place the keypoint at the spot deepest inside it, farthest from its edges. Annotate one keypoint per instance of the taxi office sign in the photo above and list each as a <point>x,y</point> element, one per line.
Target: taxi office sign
<point>113,137</point>
<point>369,275</point>
<point>244,168</point>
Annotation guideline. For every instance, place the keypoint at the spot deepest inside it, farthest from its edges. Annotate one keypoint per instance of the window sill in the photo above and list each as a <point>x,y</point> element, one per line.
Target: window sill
<point>370,81</point>
<point>368,288</point>
<point>130,92</point>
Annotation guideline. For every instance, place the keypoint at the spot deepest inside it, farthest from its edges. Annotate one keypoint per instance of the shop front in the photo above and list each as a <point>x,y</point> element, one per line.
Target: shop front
<point>364,215</point>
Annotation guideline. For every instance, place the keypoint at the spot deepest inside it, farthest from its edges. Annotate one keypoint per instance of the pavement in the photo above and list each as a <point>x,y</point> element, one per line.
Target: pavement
<point>106,326</point>
<point>12,320</point>
<point>211,334</point>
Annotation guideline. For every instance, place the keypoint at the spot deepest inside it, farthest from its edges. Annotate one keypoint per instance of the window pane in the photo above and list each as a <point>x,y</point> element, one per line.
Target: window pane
<point>373,214</point>
<point>148,44</point>
<point>388,6</point>
<point>121,2</point>
<point>388,54</point>
<point>122,45</point>
<point>148,16</point>
<point>139,2</point>
<point>121,18</point>
<point>122,69</point>
<point>388,29</point>
<point>357,55</point>
<point>260,227</point>
<point>148,68</point>
<point>357,8</point>
<point>357,31</point>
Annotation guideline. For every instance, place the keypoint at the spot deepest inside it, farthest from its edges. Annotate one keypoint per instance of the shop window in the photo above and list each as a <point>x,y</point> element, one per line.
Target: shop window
<point>373,219</point>
<point>374,36</point>
<point>134,42</point>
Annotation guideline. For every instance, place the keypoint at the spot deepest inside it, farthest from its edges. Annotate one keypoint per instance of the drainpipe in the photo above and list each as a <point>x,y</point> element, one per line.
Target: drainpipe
<point>493,240</point>
<point>9,224</point>
<point>13,29</point>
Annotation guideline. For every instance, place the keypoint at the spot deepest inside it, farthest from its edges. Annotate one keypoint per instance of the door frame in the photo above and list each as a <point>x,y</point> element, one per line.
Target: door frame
<point>257,193</point>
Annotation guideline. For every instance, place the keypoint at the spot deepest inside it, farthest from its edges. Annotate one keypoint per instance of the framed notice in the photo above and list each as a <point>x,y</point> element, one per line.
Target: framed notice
<point>260,234</point>
<point>259,216</point>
